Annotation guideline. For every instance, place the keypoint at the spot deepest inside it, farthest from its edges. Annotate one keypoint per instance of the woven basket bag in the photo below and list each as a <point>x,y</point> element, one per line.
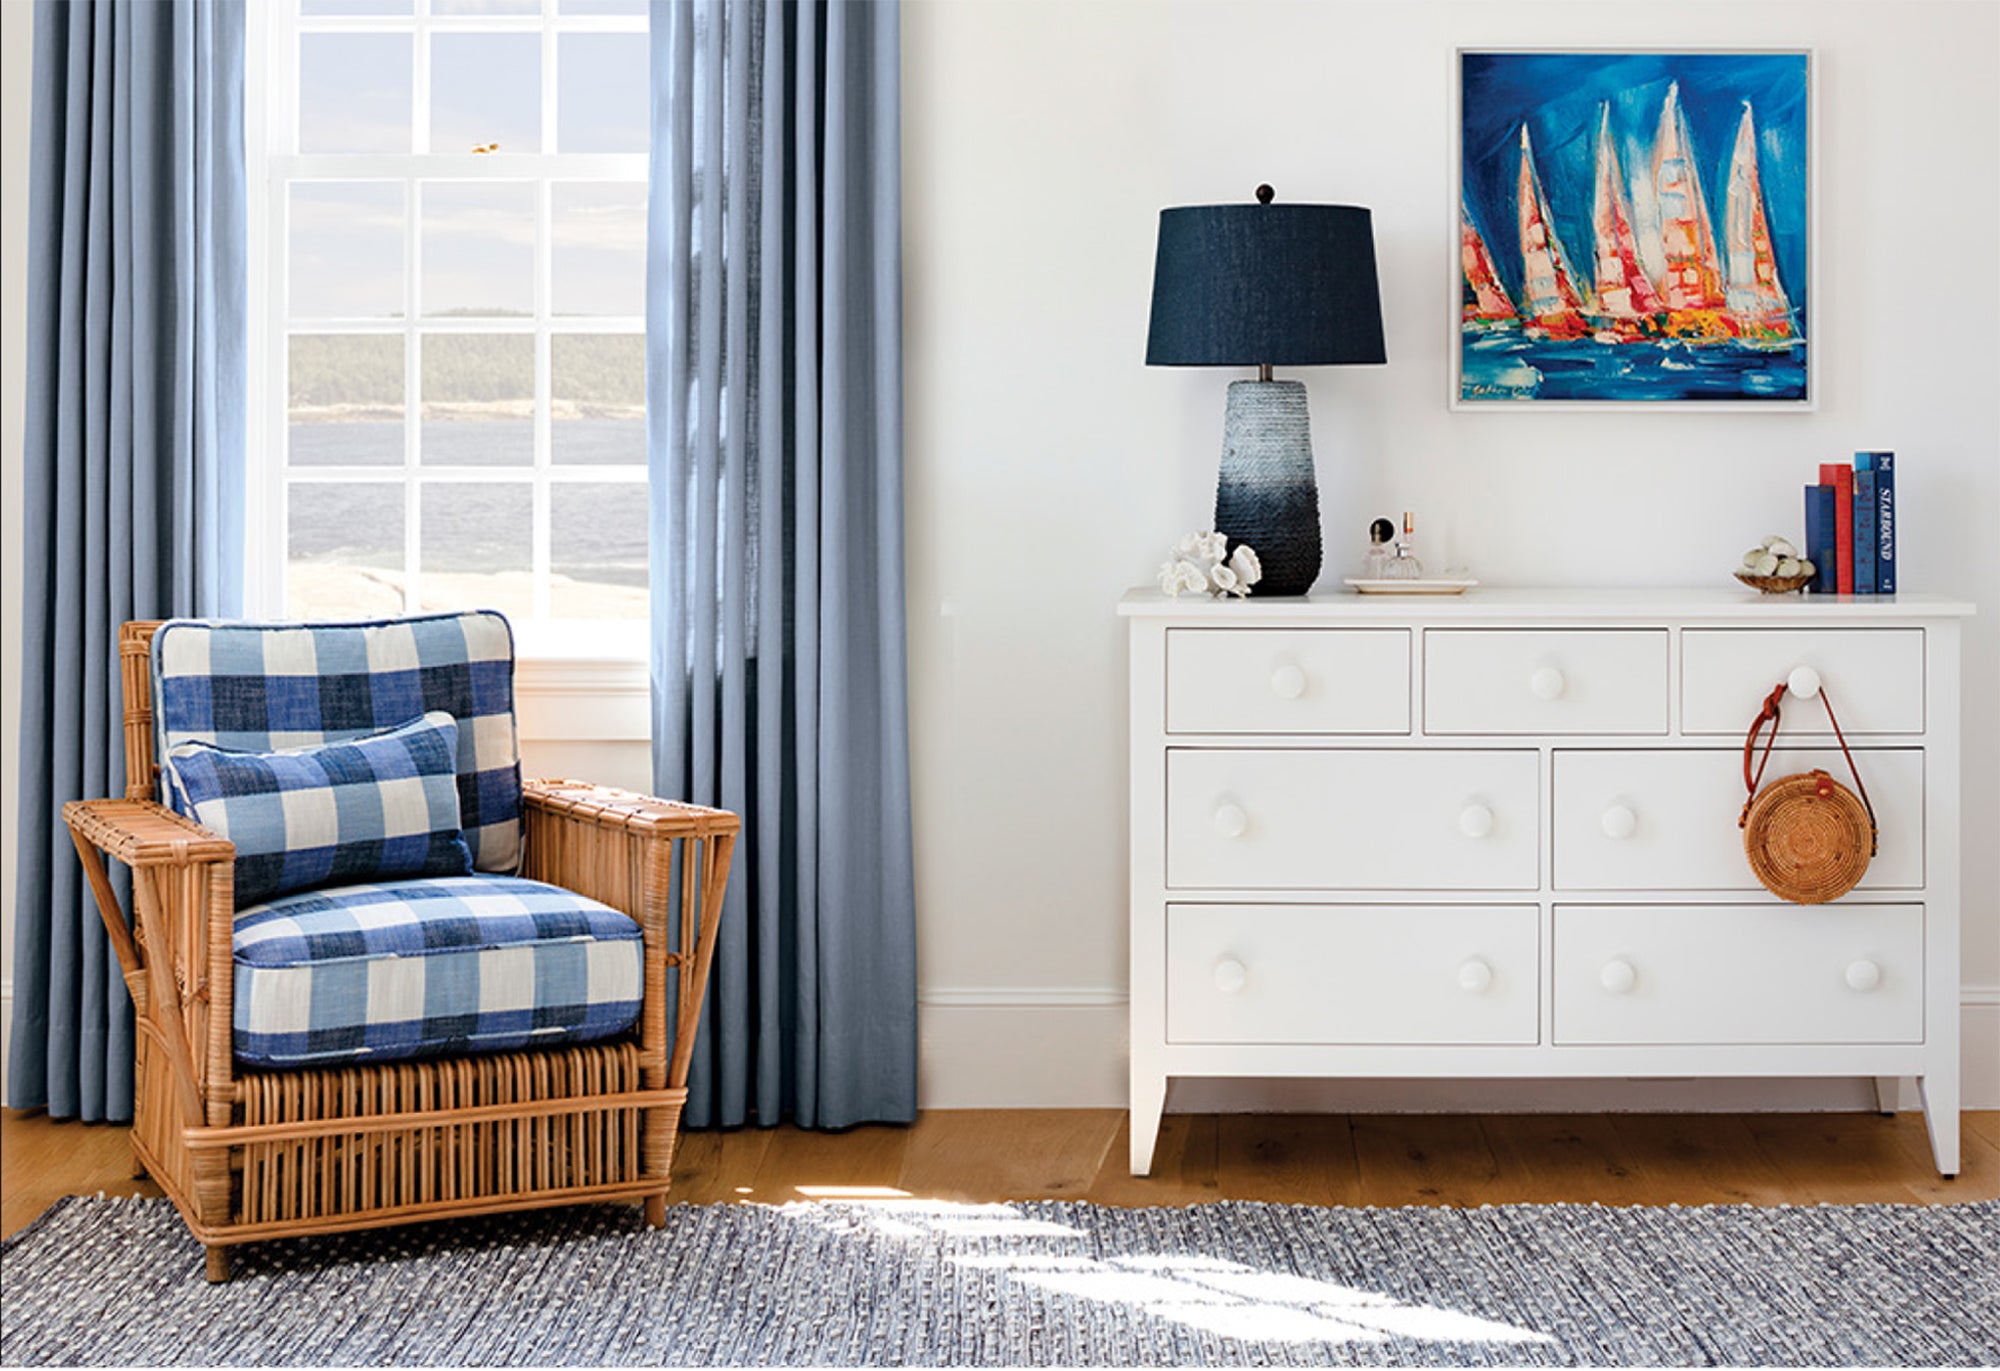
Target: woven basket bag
<point>1808,837</point>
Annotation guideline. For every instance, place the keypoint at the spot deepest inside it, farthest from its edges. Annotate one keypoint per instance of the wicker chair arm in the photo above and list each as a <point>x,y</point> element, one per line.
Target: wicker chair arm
<point>626,810</point>
<point>663,862</point>
<point>178,930</point>
<point>142,833</point>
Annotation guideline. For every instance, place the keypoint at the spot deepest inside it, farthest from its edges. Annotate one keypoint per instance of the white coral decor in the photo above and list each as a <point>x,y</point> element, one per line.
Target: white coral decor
<point>1203,562</point>
<point>1244,563</point>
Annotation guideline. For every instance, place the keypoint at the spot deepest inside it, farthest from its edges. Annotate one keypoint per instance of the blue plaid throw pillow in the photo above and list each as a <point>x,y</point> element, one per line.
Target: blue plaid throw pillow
<point>383,805</point>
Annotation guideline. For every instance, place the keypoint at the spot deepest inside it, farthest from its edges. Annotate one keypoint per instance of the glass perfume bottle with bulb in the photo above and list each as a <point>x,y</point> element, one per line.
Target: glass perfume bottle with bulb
<point>1381,548</point>
<point>1405,566</point>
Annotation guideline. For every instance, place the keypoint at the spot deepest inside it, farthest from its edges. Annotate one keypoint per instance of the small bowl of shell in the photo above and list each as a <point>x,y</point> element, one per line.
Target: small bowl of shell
<point>1775,567</point>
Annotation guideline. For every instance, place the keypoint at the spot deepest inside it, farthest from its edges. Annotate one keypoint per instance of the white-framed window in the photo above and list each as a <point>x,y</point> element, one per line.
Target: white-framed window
<point>448,313</point>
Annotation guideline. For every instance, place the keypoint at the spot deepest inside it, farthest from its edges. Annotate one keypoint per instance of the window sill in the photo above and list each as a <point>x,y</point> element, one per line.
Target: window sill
<point>597,698</point>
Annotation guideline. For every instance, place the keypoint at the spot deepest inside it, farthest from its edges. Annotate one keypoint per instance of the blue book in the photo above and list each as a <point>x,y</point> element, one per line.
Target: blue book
<point>1864,530</point>
<point>1885,522</point>
<point>1819,538</point>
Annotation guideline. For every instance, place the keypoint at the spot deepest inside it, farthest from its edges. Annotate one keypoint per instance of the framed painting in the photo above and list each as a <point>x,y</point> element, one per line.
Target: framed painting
<point>1635,229</point>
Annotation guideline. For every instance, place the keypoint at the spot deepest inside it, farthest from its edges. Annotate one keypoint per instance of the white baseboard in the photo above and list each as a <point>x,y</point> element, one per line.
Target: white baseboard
<point>992,1047</point>
<point>1002,1047</point>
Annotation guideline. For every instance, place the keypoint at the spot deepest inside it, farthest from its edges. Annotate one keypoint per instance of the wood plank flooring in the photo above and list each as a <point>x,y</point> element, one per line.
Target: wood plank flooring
<point>991,1155</point>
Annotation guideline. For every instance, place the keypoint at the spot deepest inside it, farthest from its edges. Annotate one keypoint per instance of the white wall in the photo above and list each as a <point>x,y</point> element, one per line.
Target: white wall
<point>1049,469</point>
<point>17,24</point>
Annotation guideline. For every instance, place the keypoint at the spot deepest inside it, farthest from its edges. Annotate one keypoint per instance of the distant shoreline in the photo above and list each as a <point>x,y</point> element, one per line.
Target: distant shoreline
<point>462,411</point>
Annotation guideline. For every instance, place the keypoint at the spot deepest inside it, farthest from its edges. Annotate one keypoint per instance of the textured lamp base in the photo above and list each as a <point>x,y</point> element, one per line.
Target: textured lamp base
<point>1266,494</point>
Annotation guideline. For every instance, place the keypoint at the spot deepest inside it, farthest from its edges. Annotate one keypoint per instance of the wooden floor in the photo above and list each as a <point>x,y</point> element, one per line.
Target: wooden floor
<point>989,1155</point>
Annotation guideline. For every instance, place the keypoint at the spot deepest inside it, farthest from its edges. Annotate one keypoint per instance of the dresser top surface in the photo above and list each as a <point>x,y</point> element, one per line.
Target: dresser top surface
<point>1552,603</point>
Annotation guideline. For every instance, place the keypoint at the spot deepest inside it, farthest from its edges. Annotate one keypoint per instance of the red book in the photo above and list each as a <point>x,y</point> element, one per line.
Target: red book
<point>1841,477</point>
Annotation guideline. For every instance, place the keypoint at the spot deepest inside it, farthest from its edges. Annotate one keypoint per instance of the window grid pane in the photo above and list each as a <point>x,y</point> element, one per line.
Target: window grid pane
<point>484,449</point>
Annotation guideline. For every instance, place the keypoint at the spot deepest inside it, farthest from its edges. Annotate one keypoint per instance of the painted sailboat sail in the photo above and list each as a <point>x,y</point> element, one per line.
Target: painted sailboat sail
<point>1624,295</point>
<point>1549,290</point>
<point>1692,283</point>
<point>1486,301</point>
<point>1755,295</point>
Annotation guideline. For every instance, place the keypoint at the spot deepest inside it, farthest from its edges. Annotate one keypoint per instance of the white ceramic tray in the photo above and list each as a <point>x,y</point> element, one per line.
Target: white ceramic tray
<point>1433,586</point>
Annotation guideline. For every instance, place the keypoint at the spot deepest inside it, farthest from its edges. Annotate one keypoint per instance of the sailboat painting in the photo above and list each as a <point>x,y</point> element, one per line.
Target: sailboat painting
<point>1634,229</point>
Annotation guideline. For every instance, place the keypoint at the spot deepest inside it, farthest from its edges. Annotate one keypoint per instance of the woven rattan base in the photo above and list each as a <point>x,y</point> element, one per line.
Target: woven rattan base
<point>400,1142</point>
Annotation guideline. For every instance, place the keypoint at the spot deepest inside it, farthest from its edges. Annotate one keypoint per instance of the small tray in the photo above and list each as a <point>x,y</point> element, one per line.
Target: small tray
<point>1431,586</point>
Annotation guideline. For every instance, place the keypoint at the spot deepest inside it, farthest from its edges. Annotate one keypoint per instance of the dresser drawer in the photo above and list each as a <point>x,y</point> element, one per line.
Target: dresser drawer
<point>1875,675</point>
<point>1334,819</point>
<point>1840,973</point>
<point>1246,680</point>
<point>1350,974</point>
<point>1533,681</point>
<point>1667,820</point>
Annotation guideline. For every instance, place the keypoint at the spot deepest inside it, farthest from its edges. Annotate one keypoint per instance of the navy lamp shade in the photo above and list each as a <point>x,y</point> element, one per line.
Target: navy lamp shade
<point>1260,286</point>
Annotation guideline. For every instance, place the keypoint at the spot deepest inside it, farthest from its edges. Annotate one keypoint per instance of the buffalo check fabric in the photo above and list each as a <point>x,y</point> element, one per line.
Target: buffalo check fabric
<point>383,805</point>
<point>430,968</point>
<point>272,687</point>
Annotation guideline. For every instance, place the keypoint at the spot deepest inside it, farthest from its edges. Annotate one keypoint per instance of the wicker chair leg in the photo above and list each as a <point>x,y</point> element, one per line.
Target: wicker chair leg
<point>138,1165</point>
<point>218,1265</point>
<point>656,1211</point>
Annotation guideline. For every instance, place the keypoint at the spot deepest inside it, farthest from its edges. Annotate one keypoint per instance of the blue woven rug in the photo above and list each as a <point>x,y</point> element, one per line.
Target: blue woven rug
<point>916,1282</point>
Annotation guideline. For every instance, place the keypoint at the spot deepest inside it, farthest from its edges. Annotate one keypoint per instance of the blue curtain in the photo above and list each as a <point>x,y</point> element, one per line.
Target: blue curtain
<point>774,397</point>
<point>133,499</point>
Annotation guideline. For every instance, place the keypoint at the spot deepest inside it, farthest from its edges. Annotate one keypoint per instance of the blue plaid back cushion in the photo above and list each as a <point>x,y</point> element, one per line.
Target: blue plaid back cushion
<point>384,805</point>
<point>271,687</point>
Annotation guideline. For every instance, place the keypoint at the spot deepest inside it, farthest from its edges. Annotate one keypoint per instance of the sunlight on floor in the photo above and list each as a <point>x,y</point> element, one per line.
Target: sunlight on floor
<point>1211,1294</point>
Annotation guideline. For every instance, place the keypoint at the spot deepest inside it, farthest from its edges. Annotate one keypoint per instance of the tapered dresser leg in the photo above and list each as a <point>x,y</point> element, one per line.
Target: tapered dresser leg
<point>1149,1099</point>
<point>1888,1093</point>
<point>1940,1095</point>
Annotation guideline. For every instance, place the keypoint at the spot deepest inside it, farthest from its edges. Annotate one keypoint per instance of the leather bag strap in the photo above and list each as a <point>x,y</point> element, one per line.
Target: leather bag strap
<point>1752,779</point>
<point>1874,832</point>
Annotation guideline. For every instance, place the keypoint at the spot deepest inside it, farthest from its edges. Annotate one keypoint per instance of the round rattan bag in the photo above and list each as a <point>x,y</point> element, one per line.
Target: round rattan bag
<point>1808,837</point>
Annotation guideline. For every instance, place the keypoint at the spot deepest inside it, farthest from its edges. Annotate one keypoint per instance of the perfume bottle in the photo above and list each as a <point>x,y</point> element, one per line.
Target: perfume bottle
<point>1379,549</point>
<point>1404,566</point>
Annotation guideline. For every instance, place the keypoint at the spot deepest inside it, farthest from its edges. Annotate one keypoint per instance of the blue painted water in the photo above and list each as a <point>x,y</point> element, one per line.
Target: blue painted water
<point>1509,366</point>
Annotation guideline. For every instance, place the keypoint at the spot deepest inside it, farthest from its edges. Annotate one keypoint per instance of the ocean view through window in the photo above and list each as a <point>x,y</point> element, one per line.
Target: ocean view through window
<point>450,411</point>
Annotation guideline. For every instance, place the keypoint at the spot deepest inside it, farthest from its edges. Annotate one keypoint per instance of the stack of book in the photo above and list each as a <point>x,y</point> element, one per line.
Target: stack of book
<point>1851,526</point>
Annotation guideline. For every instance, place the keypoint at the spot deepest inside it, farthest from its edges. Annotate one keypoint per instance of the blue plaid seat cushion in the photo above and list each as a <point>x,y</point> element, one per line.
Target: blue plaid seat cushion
<point>383,805</point>
<point>273,687</point>
<point>435,967</point>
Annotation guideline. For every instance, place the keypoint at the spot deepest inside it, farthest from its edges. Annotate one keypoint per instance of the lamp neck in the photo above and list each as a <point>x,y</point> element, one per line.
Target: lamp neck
<point>1263,371</point>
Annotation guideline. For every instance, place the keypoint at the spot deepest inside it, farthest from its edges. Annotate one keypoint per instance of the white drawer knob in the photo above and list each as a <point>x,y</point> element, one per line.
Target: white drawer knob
<point>1863,975</point>
<point>1475,820</point>
<point>1803,682</point>
<point>1619,822</point>
<point>1230,976</point>
<point>1231,821</point>
<point>1618,976</point>
<point>1474,976</point>
<point>1288,682</point>
<point>1547,683</point>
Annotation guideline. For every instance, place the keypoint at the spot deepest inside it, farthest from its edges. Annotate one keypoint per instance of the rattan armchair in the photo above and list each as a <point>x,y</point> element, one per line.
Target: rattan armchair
<point>249,1155</point>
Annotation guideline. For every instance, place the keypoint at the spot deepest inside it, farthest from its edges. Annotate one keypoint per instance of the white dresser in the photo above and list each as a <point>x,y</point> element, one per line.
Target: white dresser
<point>1496,836</point>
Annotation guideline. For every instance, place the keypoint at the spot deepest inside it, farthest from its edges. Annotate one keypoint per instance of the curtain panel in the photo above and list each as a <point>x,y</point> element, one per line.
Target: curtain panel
<point>774,376</point>
<point>134,453</point>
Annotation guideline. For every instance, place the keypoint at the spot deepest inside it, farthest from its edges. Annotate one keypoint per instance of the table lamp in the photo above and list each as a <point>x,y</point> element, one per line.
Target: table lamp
<point>1262,286</point>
